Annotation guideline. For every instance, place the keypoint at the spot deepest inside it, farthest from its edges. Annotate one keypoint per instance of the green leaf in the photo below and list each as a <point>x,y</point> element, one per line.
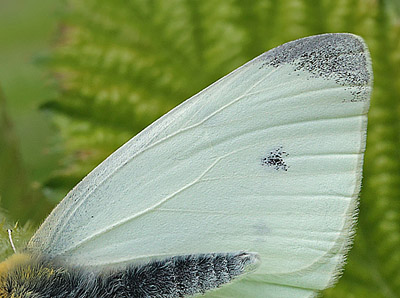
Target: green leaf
<point>18,198</point>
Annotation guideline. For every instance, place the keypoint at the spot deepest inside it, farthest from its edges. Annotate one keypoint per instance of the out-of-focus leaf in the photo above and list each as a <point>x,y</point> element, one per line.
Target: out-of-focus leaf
<point>19,199</point>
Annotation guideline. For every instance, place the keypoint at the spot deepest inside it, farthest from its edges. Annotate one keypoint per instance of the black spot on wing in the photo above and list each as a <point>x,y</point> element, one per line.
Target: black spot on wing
<point>275,159</point>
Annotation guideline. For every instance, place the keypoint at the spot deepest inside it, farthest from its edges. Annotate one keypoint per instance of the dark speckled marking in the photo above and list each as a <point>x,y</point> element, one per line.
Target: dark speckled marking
<point>275,159</point>
<point>337,56</point>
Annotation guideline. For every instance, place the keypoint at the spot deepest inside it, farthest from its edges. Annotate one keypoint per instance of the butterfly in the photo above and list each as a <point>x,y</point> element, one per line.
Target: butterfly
<point>247,189</point>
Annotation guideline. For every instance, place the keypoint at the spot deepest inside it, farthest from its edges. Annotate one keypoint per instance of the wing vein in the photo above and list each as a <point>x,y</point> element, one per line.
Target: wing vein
<point>145,211</point>
<point>237,99</point>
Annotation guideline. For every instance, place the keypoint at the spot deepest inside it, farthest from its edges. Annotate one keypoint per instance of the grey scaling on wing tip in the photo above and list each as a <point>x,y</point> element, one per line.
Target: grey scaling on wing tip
<point>343,57</point>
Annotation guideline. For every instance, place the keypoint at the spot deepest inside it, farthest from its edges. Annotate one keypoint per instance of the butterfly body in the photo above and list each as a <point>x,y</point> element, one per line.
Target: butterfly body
<point>179,276</point>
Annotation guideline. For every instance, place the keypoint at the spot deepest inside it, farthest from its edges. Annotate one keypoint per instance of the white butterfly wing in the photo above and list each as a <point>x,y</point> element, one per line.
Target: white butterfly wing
<point>268,160</point>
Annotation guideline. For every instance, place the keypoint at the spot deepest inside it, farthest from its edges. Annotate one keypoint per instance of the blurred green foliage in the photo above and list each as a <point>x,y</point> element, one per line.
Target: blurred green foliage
<point>26,134</point>
<point>121,64</point>
<point>18,197</point>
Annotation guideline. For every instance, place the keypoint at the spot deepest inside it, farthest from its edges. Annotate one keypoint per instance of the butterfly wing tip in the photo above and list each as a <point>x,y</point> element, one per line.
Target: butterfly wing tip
<point>343,57</point>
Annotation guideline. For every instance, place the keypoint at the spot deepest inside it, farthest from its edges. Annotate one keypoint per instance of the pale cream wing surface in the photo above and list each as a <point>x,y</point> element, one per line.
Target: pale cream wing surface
<point>268,159</point>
